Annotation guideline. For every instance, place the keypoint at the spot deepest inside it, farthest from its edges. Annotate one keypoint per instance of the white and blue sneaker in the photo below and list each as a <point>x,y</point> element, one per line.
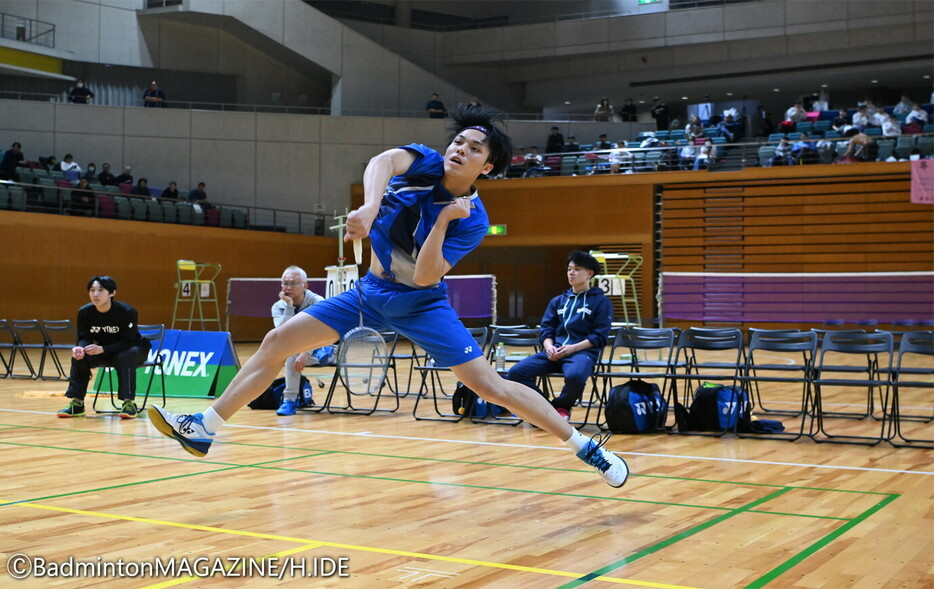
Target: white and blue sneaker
<point>187,430</point>
<point>286,408</point>
<point>611,467</point>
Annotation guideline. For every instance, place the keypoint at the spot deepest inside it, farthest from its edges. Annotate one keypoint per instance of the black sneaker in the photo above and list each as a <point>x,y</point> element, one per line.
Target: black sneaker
<point>74,408</point>
<point>128,411</point>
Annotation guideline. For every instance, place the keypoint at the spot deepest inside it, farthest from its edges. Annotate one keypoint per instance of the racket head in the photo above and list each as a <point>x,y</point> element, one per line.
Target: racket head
<point>363,361</point>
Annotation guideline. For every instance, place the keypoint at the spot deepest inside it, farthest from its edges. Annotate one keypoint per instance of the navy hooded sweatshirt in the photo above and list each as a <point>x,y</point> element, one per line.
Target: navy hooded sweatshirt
<point>571,318</point>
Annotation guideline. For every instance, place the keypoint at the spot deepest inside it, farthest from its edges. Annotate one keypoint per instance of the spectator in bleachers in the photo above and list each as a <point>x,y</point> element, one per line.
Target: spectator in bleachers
<point>860,148</point>
<point>533,162</point>
<point>915,120</point>
<point>861,118</point>
<point>602,142</point>
<point>761,124</point>
<point>891,127</point>
<point>82,199</point>
<point>661,113</point>
<point>804,151</point>
<point>618,157</point>
<point>70,167</point>
<point>821,104</point>
<point>604,111</point>
<point>706,156</point>
<point>154,96</point>
<point>903,107</point>
<point>572,145</point>
<point>841,123</point>
<point>627,112</point>
<point>106,178</point>
<point>870,107</point>
<point>171,192</point>
<point>125,178</point>
<point>198,194</point>
<point>435,107</point>
<point>80,93</point>
<point>879,118</point>
<point>649,141</point>
<point>794,115</point>
<point>555,142</point>
<point>686,156</point>
<point>141,188</point>
<point>693,129</point>
<point>91,173</point>
<point>782,155</point>
<point>11,158</point>
<point>517,164</point>
<point>50,163</point>
<point>724,128</point>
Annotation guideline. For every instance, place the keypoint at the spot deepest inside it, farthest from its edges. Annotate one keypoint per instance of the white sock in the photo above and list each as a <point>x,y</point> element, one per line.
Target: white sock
<point>211,420</point>
<point>577,441</point>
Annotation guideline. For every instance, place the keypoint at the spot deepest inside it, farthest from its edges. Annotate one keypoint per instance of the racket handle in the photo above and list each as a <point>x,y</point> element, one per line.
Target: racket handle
<point>358,251</point>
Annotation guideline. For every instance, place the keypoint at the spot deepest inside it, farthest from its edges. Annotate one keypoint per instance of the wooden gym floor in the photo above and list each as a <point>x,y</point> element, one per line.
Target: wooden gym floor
<point>427,504</point>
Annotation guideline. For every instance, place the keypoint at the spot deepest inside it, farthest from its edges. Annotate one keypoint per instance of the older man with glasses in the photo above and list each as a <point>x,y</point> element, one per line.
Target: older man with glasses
<point>293,299</point>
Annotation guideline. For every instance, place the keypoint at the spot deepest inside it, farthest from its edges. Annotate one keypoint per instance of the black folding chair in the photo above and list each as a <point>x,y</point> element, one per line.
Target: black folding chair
<point>705,354</point>
<point>789,359</point>
<point>154,333</point>
<point>7,346</point>
<point>873,355</point>
<point>624,361</point>
<point>917,345</point>
<point>518,343</point>
<point>13,333</point>
<point>432,385</point>
<point>59,335</point>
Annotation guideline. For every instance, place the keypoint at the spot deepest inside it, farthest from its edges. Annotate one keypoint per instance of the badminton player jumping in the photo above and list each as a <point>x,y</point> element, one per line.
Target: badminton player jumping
<point>422,215</point>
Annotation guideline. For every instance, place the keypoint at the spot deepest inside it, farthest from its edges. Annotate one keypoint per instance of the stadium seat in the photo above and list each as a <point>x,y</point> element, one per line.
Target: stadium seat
<point>926,145</point>
<point>17,198</point>
<point>903,146</point>
<point>568,165</point>
<point>106,207</point>
<point>123,207</point>
<point>154,210</point>
<point>886,148</point>
<point>138,207</point>
<point>169,211</point>
<point>766,153</point>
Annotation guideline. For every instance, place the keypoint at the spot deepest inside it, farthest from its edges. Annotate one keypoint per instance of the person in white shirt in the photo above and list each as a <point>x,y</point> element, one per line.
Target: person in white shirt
<point>821,104</point>
<point>917,116</point>
<point>903,107</point>
<point>862,118</point>
<point>708,154</point>
<point>796,113</point>
<point>890,127</point>
<point>69,164</point>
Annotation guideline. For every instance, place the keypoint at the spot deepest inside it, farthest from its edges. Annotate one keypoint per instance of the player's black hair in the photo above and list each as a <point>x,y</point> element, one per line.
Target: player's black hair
<point>584,260</point>
<point>106,282</point>
<point>498,141</point>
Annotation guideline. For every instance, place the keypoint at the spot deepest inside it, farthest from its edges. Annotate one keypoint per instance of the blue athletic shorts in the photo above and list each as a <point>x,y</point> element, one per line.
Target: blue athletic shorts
<point>423,316</point>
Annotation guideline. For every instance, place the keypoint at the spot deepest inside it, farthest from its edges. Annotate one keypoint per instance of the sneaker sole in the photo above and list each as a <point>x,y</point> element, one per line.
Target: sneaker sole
<point>127,416</point>
<point>68,415</point>
<point>166,429</point>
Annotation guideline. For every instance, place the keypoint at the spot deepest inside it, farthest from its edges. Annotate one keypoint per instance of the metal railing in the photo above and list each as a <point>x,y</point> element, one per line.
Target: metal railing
<point>57,199</point>
<point>27,30</point>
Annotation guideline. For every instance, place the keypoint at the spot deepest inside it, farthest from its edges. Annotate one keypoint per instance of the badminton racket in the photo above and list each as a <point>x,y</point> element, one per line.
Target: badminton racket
<point>363,359</point>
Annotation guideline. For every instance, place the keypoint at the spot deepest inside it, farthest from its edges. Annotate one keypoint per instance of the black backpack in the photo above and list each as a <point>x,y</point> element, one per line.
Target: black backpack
<point>715,408</point>
<point>271,398</point>
<point>469,404</point>
<point>635,407</point>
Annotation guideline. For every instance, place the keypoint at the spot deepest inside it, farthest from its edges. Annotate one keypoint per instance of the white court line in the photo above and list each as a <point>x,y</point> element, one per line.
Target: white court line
<point>563,449</point>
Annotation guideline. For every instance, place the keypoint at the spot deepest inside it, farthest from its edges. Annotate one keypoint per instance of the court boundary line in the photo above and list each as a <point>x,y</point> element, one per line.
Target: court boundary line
<point>355,547</point>
<point>518,446</point>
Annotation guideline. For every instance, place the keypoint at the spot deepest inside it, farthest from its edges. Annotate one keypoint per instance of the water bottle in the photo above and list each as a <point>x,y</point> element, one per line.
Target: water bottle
<point>500,357</point>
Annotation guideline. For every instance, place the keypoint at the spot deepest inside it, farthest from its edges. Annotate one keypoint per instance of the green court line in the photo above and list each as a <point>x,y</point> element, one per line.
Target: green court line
<point>813,548</point>
<point>432,459</point>
<point>381,478</point>
<point>124,485</point>
<point>673,539</point>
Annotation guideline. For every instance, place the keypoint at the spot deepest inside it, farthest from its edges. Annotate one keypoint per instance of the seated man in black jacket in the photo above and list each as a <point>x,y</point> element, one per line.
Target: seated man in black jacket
<point>108,335</point>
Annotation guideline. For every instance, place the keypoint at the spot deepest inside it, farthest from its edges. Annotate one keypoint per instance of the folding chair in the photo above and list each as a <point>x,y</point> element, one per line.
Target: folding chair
<point>154,333</point>
<point>391,338</point>
<point>873,352</point>
<point>7,347</point>
<point>59,335</point>
<point>17,329</point>
<point>790,360</point>
<point>716,346</point>
<point>518,343</point>
<point>413,358</point>
<point>432,381</point>
<point>624,362</point>
<point>908,375</point>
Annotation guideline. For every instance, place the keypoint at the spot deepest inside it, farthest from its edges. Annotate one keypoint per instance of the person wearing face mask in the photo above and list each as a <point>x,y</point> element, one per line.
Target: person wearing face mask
<point>91,173</point>
<point>80,94</point>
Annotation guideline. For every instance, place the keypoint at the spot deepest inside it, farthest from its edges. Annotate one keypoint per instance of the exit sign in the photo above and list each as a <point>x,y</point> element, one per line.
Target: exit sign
<point>496,230</point>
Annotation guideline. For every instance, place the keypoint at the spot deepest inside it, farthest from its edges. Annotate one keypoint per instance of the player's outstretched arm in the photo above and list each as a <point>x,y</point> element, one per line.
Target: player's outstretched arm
<point>379,171</point>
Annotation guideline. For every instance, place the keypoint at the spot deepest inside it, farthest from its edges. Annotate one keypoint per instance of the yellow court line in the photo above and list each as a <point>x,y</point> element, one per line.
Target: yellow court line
<point>305,542</point>
<point>183,580</point>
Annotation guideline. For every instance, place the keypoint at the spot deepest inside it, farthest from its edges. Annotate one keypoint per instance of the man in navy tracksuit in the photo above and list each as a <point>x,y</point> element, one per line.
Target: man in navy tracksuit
<point>575,328</point>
